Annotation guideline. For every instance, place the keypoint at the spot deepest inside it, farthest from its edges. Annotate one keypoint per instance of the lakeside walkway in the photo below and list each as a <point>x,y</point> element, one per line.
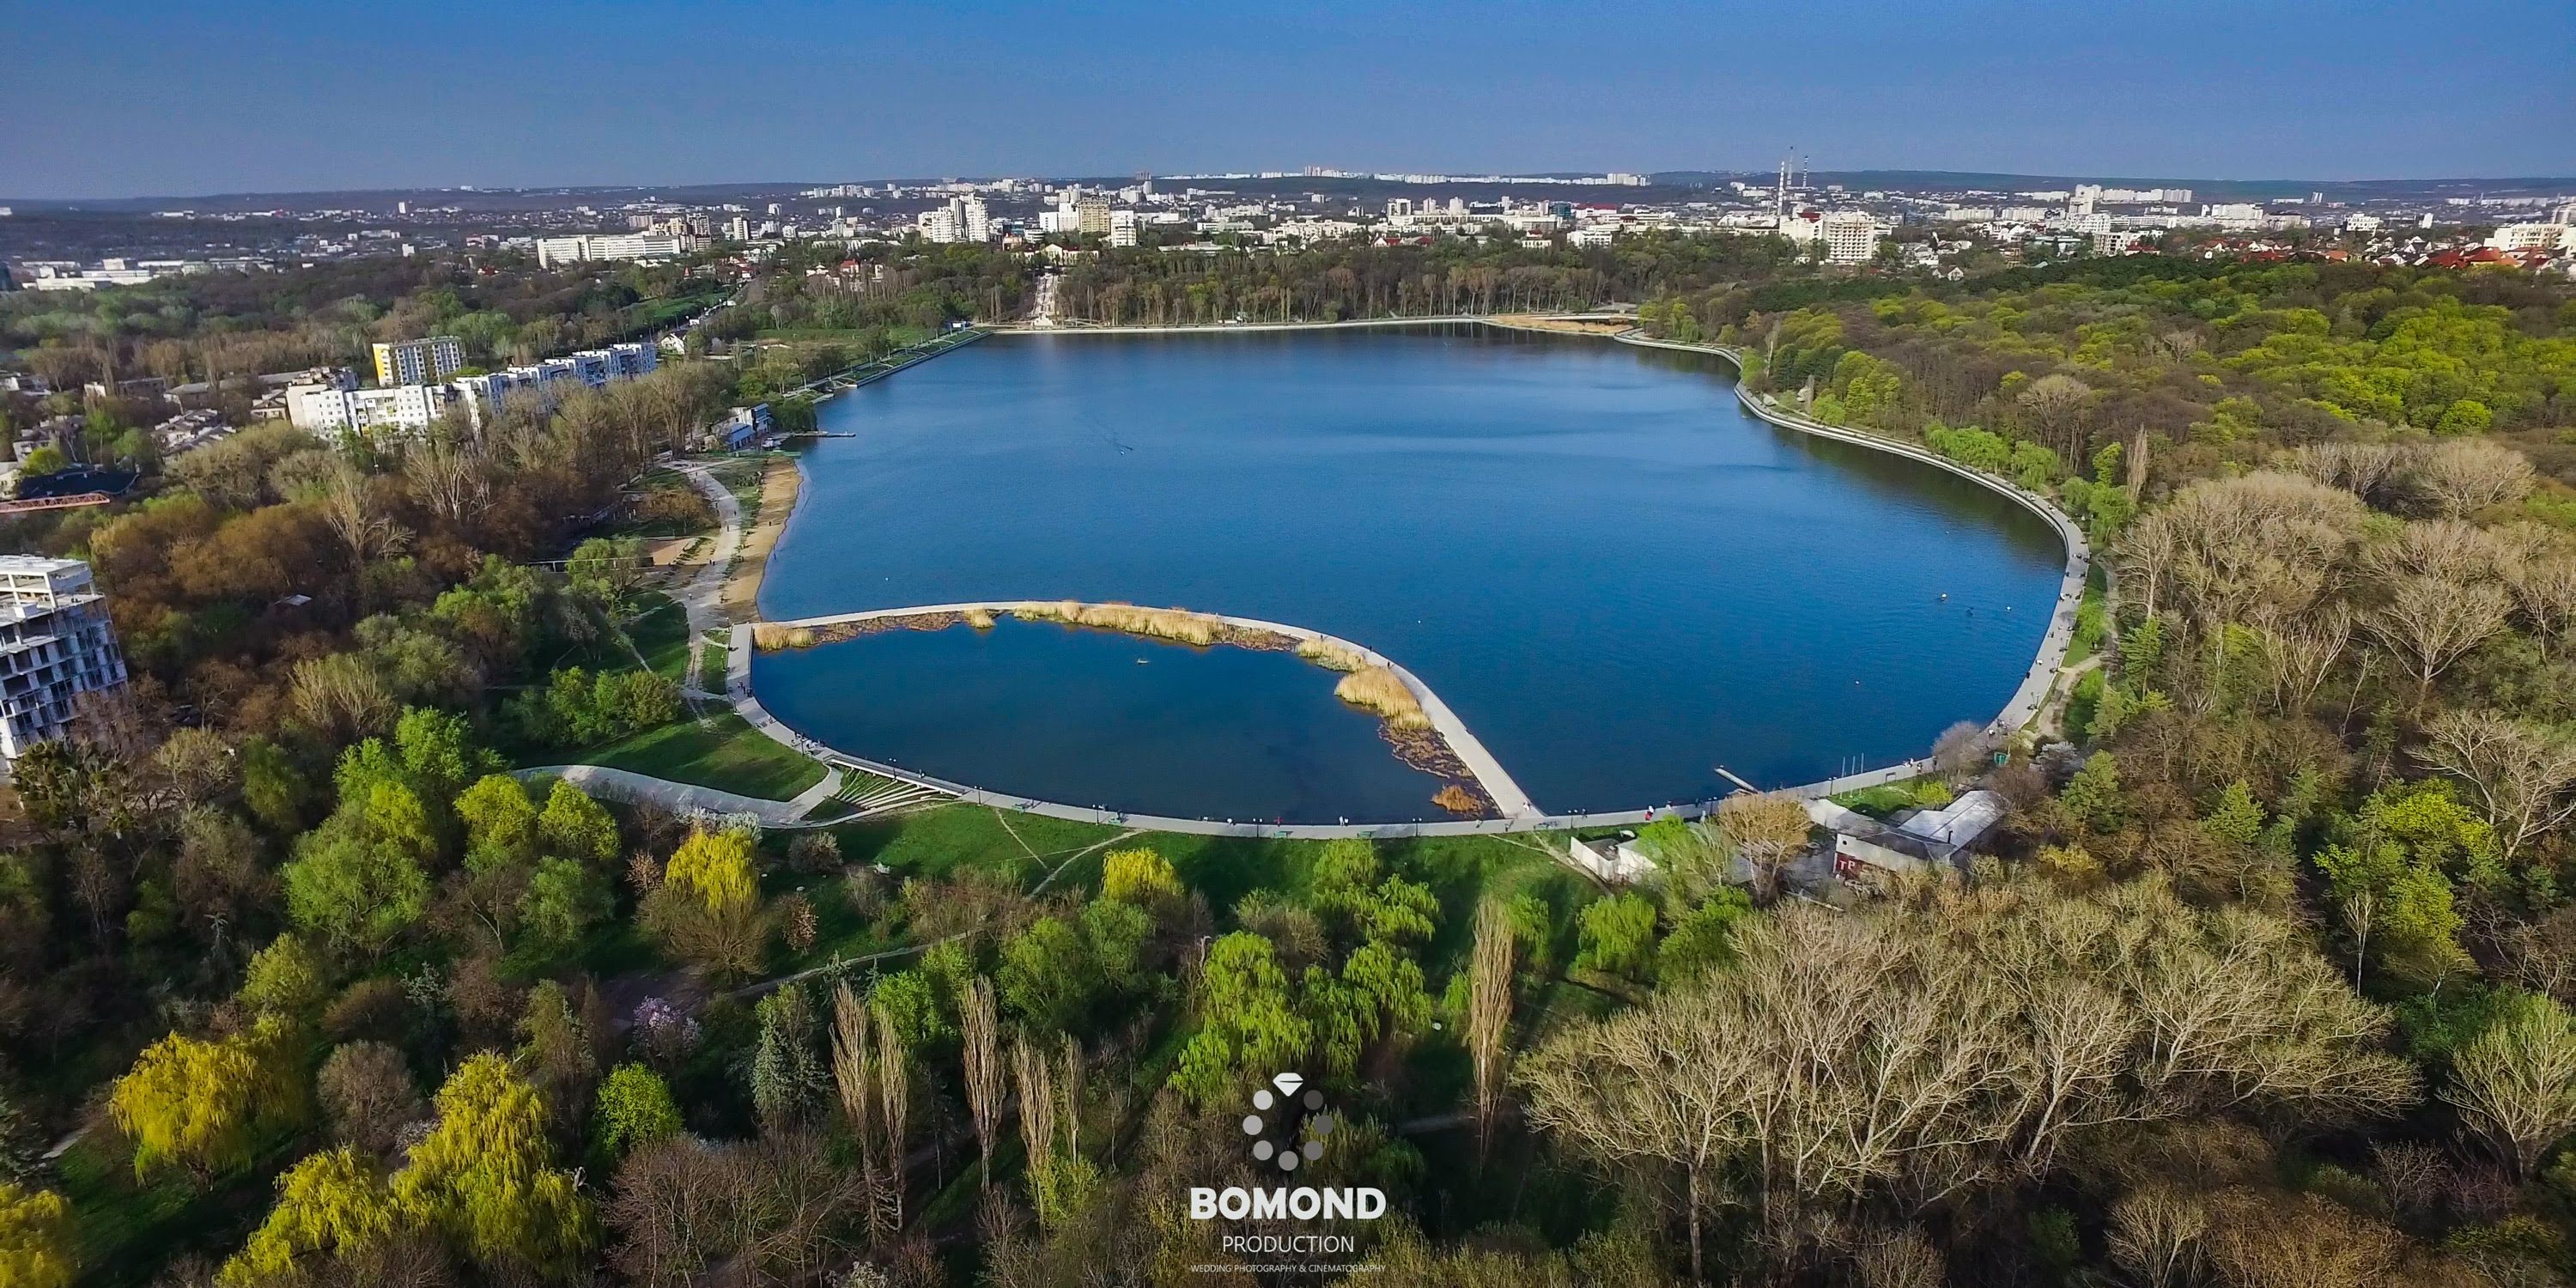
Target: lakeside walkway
<point>684,798</point>
<point>1520,814</point>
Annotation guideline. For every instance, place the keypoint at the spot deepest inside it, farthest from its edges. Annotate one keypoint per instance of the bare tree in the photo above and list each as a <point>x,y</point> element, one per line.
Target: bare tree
<point>894,1093</point>
<point>1769,829</point>
<point>854,1076</point>
<point>2056,404</point>
<point>1489,1013</point>
<point>2543,584</point>
<point>359,519</point>
<point>2303,652</point>
<point>2155,1236</point>
<point>2521,773</point>
<point>2515,1084</point>
<point>2364,469</point>
<point>984,1074</point>
<point>2465,475</point>
<point>2429,622</point>
<point>1953,1040</point>
<point>1903,1259</point>
<point>1960,753</point>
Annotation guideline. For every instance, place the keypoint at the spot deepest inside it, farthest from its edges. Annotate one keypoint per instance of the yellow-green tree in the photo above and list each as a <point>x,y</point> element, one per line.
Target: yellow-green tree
<point>201,1104</point>
<point>331,1204</point>
<point>576,827</point>
<point>714,869</point>
<point>484,1174</point>
<point>35,1238</point>
<point>1138,876</point>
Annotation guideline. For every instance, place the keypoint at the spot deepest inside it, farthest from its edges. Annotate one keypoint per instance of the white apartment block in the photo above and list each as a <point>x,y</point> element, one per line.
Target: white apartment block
<point>55,644</point>
<point>323,408</point>
<point>588,246</point>
<point>419,362</point>
<point>1122,228</point>
<point>1850,236</point>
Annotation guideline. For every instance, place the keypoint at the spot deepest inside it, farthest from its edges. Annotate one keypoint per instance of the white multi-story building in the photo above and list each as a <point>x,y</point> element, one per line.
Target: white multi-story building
<point>55,644</point>
<point>1122,228</point>
<point>572,250</point>
<point>1850,236</point>
<point>419,362</point>
<point>325,408</point>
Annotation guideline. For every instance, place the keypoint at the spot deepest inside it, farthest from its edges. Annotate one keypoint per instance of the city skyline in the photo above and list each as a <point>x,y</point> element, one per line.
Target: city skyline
<point>131,104</point>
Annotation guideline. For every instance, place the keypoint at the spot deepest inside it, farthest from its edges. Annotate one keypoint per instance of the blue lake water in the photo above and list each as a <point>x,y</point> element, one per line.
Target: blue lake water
<point>1616,577</point>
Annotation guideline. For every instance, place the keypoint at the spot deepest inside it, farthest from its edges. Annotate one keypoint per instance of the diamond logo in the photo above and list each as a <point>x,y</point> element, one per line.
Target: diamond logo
<point>1273,1127</point>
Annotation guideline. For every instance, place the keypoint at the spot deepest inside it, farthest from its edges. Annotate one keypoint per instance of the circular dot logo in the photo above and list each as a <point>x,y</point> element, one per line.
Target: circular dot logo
<point>1280,1110</point>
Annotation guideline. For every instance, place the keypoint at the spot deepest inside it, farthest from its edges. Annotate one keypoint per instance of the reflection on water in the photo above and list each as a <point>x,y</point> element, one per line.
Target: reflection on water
<point>1616,577</point>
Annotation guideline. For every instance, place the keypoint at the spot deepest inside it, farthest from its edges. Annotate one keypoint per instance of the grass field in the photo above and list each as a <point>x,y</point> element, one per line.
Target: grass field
<point>661,633</point>
<point>730,756</point>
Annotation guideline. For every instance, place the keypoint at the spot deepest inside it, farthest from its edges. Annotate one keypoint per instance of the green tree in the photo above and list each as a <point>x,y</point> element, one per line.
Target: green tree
<point>329,1205</point>
<point>634,1109</point>
<point>562,902</point>
<point>911,1007</point>
<point>2092,797</point>
<point>1703,939</point>
<point>201,1104</point>
<point>1248,1020</point>
<point>356,894</point>
<point>438,751</point>
<point>500,824</point>
<point>1139,876</point>
<point>1047,977</point>
<point>787,1075</point>
<point>1617,937</point>
<point>484,1175</point>
<point>284,979</point>
<point>36,1244</point>
<point>45,460</point>
<point>578,828</point>
<point>2236,818</point>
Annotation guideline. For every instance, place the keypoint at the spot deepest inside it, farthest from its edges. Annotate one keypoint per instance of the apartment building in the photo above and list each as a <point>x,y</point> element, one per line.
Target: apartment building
<point>55,644</point>
<point>572,250</point>
<point>419,362</point>
<point>1850,236</point>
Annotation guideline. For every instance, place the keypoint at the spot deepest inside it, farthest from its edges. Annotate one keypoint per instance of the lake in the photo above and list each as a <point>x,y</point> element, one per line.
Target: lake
<point>1617,577</point>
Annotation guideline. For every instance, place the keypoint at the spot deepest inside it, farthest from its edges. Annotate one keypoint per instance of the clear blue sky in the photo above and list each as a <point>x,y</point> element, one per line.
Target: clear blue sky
<point>135,97</point>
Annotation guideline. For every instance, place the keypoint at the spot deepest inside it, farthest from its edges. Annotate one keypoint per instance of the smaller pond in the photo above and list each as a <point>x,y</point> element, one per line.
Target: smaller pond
<point>1084,717</point>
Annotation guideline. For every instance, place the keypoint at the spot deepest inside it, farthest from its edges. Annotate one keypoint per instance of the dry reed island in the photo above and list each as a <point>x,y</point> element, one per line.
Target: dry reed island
<point>1370,686</point>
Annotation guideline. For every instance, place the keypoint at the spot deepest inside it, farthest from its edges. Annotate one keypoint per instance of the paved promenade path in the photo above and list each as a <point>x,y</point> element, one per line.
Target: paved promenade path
<point>685,798</point>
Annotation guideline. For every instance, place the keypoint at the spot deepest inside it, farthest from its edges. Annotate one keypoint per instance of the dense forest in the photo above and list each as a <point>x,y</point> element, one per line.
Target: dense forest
<point>2266,983</point>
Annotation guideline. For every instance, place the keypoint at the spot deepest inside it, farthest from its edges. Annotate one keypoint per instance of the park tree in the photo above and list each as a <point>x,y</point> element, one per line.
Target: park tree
<point>2006,1020</point>
<point>707,907</point>
<point>1617,935</point>
<point>634,1109</point>
<point>1248,1021</point>
<point>203,1104</point>
<point>484,1177</point>
<point>578,828</point>
<point>2521,775</point>
<point>1139,876</point>
<point>1047,976</point>
<point>355,893</point>
<point>285,980</point>
<point>36,1245</point>
<point>329,1205</point>
<point>500,824</point>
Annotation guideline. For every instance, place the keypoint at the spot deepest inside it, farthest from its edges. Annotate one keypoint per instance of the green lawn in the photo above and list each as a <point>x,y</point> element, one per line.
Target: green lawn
<point>1881,801</point>
<point>711,667</point>
<point>741,476</point>
<point>732,756</point>
<point>661,634</point>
